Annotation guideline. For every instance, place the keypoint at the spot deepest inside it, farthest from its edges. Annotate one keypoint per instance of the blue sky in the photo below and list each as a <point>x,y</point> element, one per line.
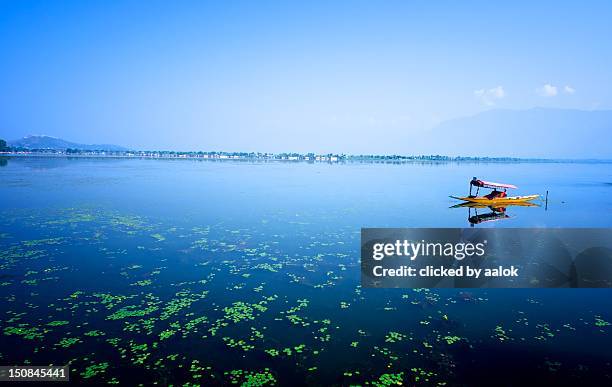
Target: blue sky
<point>341,76</point>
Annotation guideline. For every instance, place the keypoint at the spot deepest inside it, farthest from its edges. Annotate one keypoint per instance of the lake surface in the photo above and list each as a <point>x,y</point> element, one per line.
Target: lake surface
<point>203,272</point>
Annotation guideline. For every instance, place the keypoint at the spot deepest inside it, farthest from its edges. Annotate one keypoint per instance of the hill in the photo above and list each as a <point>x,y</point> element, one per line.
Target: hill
<point>47,142</point>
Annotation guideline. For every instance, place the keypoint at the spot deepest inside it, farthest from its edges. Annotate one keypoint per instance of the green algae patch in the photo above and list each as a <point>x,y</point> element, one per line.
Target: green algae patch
<point>241,311</point>
<point>143,283</point>
<point>140,352</point>
<point>158,237</point>
<point>166,334</point>
<point>192,325</point>
<point>251,378</point>
<point>599,322</point>
<point>25,331</point>
<point>393,337</point>
<point>183,300</point>
<point>57,323</point>
<point>131,311</point>
<point>386,380</point>
<point>94,369</point>
<point>67,342</point>
<point>242,344</point>
<point>94,333</point>
<point>127,221</point>
<point>500,333</point>
<point>272,352</point>
<point>451,339</point>
<point>39,242</point>
<point>108,300</point>
<point>421,375</point>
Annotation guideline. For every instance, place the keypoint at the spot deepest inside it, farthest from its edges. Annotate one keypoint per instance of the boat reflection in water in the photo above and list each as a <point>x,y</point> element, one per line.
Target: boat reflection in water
<point>495,213</point>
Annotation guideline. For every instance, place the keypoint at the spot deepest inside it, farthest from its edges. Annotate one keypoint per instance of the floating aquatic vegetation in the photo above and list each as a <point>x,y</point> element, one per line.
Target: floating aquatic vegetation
<point>242,311</point>
<point>192,324</point>
<point>108,300</point>
<point>158,237</point>
<point>11,256</point>
<point>127,221</point>
<point>184,300</point>
<point>153,328</point>
<point>242,344</point>
<point>256,334</point>
<point>48,241</point>
<point>142,283</point>
<point>140,352</point>
<point>293,317</point>
<point>76,294</point>
<point>599,322</point>
<point>386,380</point>
<point>272,352</point>
<point>94,369</point>
<point>500,334</point>
<point>131,311</point>
<point>422,375</point>
<point>166,334</point>
<point>68,342</point>
<point>251,378</point>
<point>197,371</point>
<point>297,320</point>
<point>323,334</point>
<point>266,266</point>
<point>94,333</point>
<point>25,331</point>
<point>393,337</point>
<point>545,332</point>
<point>57,323</point>
<point>451,339</point>
<point>239,311</point>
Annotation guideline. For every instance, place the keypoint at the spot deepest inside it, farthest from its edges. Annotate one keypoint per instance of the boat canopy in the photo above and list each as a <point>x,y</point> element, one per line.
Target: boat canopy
<point>490,184</point>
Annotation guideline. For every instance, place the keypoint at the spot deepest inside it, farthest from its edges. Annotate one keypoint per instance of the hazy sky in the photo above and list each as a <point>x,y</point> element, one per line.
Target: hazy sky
<point>339,76</point>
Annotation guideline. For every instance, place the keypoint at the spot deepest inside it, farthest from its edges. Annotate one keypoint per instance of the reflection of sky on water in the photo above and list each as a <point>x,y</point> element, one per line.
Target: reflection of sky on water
<point>284,237</point>
<point>408,195</point>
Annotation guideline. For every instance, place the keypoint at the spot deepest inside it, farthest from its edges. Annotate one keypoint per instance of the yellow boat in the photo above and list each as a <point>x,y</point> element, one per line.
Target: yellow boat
<point>497,201</point>
<point>492,206</point>
<point>496,197</point>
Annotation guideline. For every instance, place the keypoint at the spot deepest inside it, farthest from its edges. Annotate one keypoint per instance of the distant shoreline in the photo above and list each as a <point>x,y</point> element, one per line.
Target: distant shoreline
<point>289,157</point>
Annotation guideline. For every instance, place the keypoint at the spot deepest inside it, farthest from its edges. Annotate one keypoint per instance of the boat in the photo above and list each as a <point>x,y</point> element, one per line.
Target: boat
<point>505,200</point>
<point>493,206</point>
<point>496,197</point>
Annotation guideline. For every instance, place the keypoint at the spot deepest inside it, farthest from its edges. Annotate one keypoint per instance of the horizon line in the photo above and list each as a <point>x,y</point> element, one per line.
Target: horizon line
<point>277,156</point>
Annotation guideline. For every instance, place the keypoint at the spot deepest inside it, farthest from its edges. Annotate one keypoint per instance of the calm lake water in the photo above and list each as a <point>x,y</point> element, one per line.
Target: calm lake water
<point>201,272</point>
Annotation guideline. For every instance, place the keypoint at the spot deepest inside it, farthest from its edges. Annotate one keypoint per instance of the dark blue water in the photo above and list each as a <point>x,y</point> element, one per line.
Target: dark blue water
<point>183,271</point>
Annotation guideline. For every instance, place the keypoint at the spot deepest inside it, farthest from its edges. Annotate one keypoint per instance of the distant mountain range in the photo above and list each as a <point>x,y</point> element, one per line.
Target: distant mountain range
<point>533,133</point>
<point>47,142</point>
